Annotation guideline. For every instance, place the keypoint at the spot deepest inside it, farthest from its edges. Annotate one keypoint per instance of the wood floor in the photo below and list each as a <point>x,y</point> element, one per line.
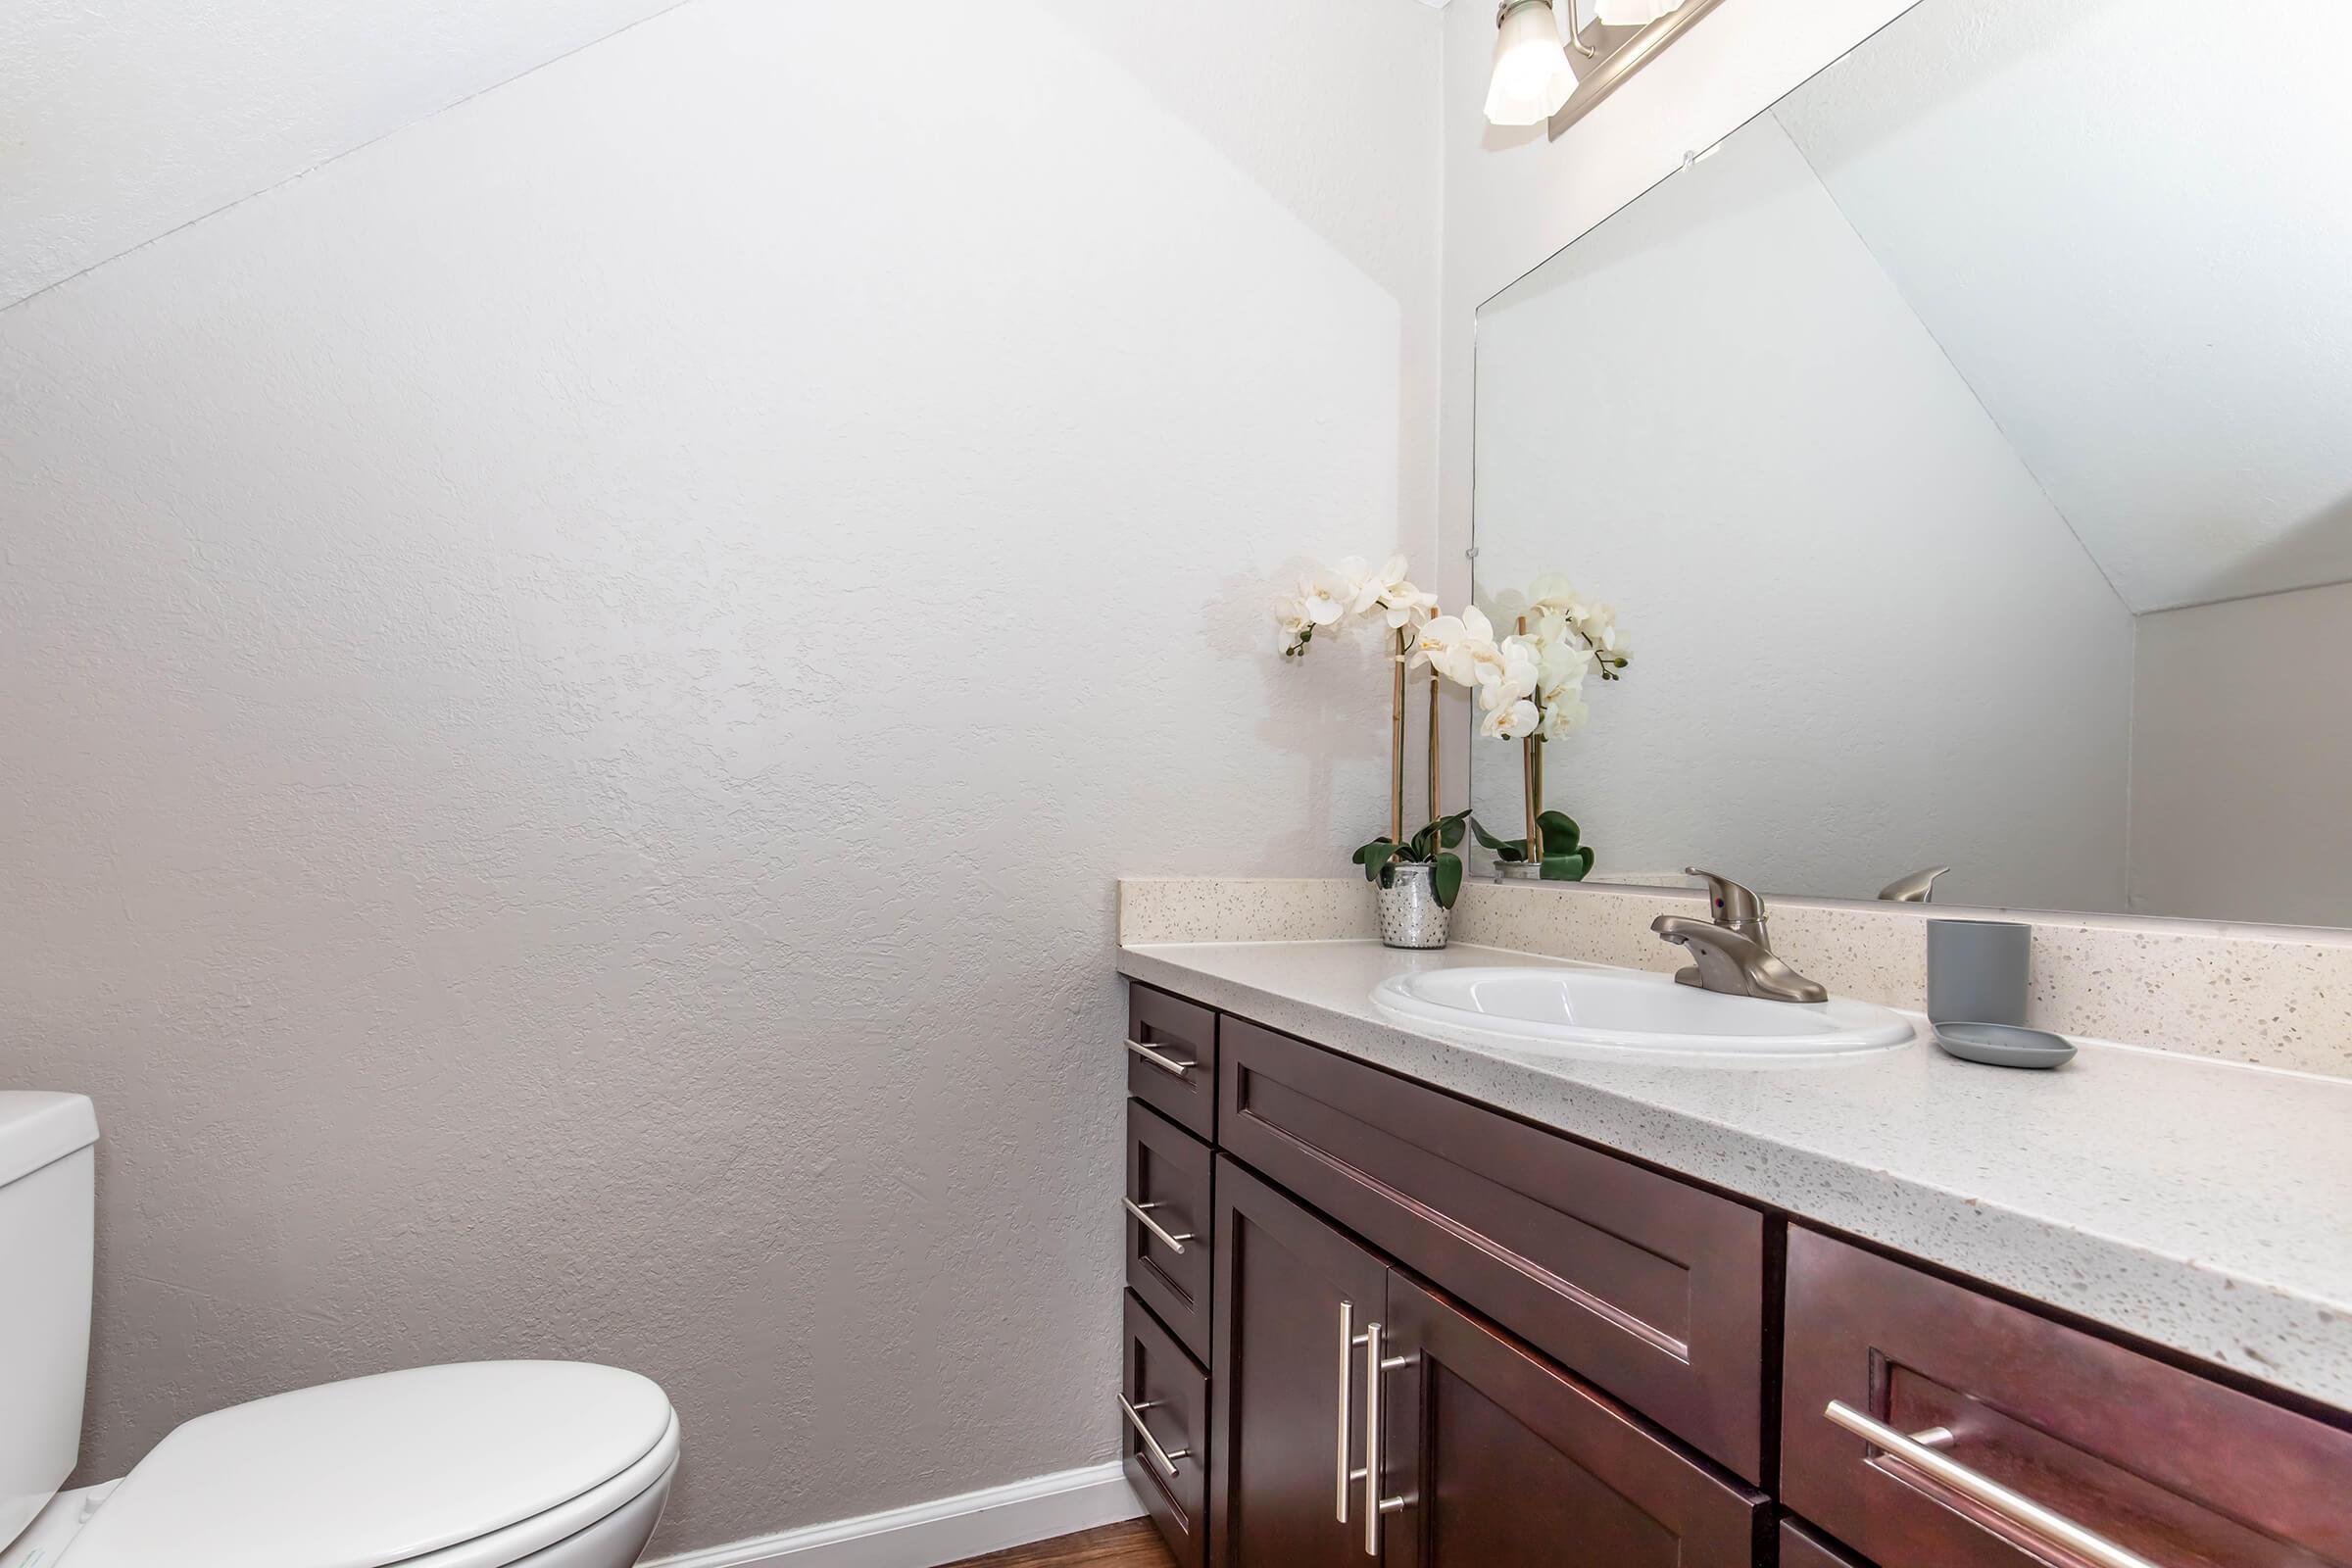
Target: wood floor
<point>1133,1544</point>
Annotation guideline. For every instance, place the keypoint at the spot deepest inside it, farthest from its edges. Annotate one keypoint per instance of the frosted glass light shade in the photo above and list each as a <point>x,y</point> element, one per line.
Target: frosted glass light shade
<point>1532,78</point>
<point>1632,13</point>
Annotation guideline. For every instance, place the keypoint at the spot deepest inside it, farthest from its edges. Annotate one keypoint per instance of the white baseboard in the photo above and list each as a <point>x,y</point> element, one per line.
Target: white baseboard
<point>949,1530</point>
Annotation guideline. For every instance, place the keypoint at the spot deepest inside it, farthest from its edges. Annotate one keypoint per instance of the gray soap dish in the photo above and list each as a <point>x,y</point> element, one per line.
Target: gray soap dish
<point>2003,1044</point>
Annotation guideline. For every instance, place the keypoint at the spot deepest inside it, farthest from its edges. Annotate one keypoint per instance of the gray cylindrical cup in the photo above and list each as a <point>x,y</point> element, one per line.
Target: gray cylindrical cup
<point>1977,971</point>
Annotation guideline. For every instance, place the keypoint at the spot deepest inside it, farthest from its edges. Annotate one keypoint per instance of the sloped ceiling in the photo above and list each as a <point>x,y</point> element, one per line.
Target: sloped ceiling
<point>121,120</point>
<point>2132,232</point>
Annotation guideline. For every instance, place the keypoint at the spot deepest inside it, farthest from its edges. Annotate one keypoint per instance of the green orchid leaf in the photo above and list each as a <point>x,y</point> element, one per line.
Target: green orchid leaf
<point>1376,857</point>
<point>1513,851</point>
<point>1570,867</point>
<point>1562,835</point>
<point>1447,880</point>
<point>1450,832</point>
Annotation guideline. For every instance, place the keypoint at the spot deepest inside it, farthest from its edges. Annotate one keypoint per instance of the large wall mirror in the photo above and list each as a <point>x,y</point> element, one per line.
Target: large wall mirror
<point>1966,445</point>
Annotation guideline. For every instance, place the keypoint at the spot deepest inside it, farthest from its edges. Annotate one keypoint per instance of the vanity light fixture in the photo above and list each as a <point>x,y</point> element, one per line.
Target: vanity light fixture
<point>1632,12</point>
<point>1552,65</point>
<point>1531,78</point>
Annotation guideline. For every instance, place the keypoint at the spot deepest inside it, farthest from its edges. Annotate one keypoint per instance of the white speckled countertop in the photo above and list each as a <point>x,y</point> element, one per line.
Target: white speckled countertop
<point>2201,1205</point>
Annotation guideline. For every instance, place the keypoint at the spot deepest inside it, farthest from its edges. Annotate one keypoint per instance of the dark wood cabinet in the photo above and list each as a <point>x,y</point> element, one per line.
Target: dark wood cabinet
<point>1169,1221</point>
<point>1416,1331</point>
<point>1484,1453</point>
<point>1292,1294</point>
<point>1646,1286</point>
<point>1500,1457</point>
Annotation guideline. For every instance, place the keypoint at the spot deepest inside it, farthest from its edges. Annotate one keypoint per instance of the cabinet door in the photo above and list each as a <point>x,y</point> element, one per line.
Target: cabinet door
<point>1494,1456</point>
<point>1639,1283</point>
<point>1286,1425</point>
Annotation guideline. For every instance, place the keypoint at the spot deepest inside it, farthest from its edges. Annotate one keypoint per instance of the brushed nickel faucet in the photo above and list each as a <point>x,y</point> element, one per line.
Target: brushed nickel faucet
<point>1732,952</point>
<point>1917,888</point>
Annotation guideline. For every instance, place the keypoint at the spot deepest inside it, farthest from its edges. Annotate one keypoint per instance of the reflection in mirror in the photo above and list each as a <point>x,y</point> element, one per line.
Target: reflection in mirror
<point>1968,441</point>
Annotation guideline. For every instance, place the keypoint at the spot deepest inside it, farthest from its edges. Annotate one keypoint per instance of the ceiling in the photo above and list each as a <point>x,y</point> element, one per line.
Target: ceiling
<point>119,121</point>
<point>2130,231</point>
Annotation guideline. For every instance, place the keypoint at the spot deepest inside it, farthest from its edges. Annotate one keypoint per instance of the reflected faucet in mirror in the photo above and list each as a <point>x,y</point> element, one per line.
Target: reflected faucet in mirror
<point>1917,888</point>
<point>1731,953</point>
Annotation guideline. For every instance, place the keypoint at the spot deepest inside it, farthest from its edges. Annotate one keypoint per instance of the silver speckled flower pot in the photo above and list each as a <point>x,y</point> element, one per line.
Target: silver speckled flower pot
<point>1410,915</point>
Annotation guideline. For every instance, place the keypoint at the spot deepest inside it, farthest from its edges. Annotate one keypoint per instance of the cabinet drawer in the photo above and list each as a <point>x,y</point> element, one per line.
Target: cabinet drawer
<point>1170,1221</point>
<point>2179,1469</point>
<point>1164,1393</point>
<point>1172,1057</point>
<point>1648,1288</point>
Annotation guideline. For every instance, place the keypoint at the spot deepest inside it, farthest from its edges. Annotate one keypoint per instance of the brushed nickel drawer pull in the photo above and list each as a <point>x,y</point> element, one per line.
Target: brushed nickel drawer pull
<point>1160,1455</point>
<point>1166,1064</point>
<point>1917,1450</point>
<point>1374,1504</point>
<point>1143,1217</point>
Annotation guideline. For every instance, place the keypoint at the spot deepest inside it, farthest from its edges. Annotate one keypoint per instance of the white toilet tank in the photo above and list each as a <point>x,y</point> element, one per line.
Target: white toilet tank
<point>47,1230</point>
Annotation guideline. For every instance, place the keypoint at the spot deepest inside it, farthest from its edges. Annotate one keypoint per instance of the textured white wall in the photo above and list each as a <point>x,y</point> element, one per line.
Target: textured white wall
<point>2239,753</point>
<point>575,683</point>
<point>120,121</point>
<point>1861,633</point>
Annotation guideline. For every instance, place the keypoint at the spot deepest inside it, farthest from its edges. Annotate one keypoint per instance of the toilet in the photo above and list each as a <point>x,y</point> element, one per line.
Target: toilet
<point>483,1464</point>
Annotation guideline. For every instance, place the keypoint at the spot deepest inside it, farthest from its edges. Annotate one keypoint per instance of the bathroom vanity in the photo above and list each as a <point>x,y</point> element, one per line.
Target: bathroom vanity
<point>1391,1298</point>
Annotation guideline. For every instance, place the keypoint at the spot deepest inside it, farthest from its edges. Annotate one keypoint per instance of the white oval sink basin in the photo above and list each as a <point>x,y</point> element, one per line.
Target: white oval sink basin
<point>1614,1013</point>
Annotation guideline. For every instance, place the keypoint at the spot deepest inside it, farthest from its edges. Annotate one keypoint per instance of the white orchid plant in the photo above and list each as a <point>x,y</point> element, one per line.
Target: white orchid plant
<point>1332,598</point>
<point>1529,683</point>
<point>1529,687</point>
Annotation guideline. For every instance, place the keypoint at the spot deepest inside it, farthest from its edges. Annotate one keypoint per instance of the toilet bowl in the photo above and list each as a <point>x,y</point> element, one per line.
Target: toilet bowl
<point>488,1464</point>
<point>478,1464</point>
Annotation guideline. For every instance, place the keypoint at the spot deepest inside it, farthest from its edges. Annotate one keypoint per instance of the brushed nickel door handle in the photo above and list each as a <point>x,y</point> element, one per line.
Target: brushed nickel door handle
<point>1375,1505</point>
<point>1160,1455</point>
<point>1918,1450</point>
<point>1143,1217</point>
<point>1166,1064</point>
<point>1347,1344</point>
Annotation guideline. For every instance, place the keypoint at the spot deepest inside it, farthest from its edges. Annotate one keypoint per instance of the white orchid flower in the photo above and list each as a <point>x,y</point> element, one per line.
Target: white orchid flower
<point>1599,627</point>
<point>1563,715</point>
<point>1513,721</point>
<point>1324,595</point>
<point>1511,676</point>
<point>1357,587</point>
<point>1564,664</point>
<point>1553,590</point>
<point>1406,604</point>
<point>1457,645</point>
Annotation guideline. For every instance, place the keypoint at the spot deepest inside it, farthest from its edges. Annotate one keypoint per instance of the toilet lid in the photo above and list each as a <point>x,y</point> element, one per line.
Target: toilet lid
<point>369,1472</point>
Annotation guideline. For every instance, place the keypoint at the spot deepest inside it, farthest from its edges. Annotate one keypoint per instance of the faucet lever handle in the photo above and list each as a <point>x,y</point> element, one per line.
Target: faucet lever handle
<point>1732,904</point>
<point>1917,888</point>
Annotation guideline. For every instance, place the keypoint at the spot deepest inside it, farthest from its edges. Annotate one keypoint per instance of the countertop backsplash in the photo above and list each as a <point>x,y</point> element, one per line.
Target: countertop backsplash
<point>2265,996</point>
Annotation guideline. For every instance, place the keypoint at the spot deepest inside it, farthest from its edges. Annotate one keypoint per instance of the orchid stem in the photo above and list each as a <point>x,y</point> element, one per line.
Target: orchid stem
<point>1397,747</point>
